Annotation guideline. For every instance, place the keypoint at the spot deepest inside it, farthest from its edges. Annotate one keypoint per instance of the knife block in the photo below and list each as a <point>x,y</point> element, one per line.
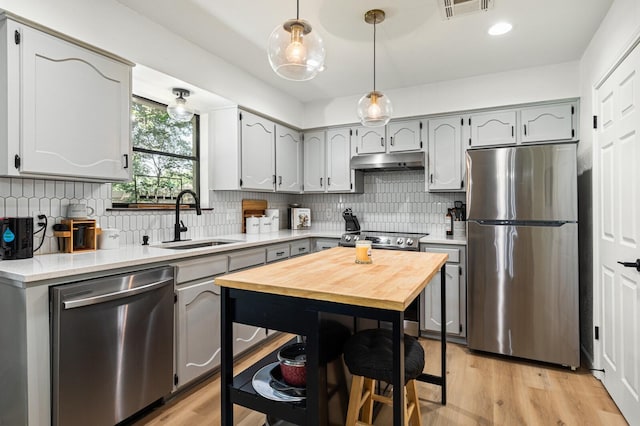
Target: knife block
<point>82,235</point>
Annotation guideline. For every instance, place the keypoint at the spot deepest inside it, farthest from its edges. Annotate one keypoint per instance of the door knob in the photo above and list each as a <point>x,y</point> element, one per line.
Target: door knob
<point>635,264</point>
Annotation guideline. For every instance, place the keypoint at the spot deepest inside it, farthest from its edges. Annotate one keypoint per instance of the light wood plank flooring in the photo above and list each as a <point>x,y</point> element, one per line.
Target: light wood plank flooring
<point>482,390</point>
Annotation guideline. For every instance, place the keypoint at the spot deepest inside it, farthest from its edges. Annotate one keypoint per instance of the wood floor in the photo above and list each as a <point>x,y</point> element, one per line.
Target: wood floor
<point>482,390</point>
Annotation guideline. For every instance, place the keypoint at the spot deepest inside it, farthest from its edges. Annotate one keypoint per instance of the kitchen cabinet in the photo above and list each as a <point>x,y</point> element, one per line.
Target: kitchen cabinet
<point>327,155</point>
<point>548,123</point>
<point>456,303</point>
<point>300,247</point>
<point>404,135</point>
<point>492,128</point>
<point>278,252</point>
<point>65,107</point>
<point>288,159</point>
<point>197,317</point>
<point>325,244</point>
<point>445,154</point>
<point>257,137</point>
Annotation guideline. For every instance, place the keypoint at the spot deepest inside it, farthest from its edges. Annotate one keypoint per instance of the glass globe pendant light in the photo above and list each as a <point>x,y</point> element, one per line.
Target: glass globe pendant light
<point>295,51</point>
<point>178,109</point>
<point>374,108</point>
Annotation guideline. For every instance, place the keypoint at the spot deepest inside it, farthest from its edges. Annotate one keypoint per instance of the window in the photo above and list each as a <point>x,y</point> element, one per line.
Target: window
<point>165,157</point>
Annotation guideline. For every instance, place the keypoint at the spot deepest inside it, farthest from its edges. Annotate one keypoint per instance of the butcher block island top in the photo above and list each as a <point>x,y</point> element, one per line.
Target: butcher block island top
<point>392,281</point>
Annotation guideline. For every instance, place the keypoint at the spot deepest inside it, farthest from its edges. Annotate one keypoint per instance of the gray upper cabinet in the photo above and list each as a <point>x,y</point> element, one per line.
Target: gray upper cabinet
<point>258,152</point>
<point>548,123</point>
<point>404,135</point>
<point>445,154</point>
<point>314,161</point>
<point>288,159</point>
<point>493,128</point>
<point>370,140</point>
<point>339,173</point>
<point>64,107</point>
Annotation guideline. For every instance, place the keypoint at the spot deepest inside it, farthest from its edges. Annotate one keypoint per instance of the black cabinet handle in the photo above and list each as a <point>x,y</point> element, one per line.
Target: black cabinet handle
<point>274,179</point>
<point>280,180</point>
<point>512,132</point>
<point>525,130</point>
<point>391,140</point>
<point>635,264</point>
<point>280,253</point>
<point>381,141</point>
<point>328,181</point>
<point>126,161</point>
<point>320,182</point>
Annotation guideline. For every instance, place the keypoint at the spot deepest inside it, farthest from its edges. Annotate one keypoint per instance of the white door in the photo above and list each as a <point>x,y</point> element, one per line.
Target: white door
<point>314,162</point>
<point>493,128</point>
<point>445,154</point>
<point>288,160</point>
<point>405,135</point>
<point>338,158</point>
<point>547,123</point>
<point>616,188</point>
<point>370,140</point>
<point>432,298</point>
<point>258,159</point>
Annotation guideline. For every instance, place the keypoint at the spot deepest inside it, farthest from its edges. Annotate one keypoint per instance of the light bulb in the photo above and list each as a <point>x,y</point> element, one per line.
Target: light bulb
<point>374,110</point>
<point>296,52</point>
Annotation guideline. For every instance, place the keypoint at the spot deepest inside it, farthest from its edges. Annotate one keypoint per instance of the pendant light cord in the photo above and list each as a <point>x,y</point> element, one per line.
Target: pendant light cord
<point>374,53</point>
<point>297,10</point>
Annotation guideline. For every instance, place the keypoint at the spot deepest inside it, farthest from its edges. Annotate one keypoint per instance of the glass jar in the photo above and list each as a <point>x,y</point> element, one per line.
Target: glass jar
<point>363,251</point>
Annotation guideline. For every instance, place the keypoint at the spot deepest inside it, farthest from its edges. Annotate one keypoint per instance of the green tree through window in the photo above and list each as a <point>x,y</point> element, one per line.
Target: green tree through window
<point>165,156</point>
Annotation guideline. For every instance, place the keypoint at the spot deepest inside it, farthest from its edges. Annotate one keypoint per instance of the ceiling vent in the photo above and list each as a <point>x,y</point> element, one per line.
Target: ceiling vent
<point>453,8</point>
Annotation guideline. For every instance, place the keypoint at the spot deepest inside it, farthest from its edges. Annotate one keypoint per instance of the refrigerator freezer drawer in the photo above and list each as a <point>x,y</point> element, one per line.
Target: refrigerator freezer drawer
<point>523,291</point>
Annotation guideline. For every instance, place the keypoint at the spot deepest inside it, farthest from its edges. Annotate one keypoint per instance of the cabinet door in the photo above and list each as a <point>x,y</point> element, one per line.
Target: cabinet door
<point>432,301</point>
<point>370,140</point>
<point>445,154</point>
<point>258,159</point>
<point>404,135</point>
<point>288,160</point>
<point>493,128</point>
<point>338,158</point>
<point>198,330</point>
<point>246,336</point>
<point>547,123</point>
<point>75,108</point>
<point>314,162</point>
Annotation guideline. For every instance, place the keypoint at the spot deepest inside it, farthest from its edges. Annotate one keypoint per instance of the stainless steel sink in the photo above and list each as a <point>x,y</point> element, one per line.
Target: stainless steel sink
<point>198,244</point>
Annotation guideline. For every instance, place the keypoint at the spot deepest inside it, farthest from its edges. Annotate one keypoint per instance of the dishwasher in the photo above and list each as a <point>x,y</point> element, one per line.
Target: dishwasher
<point>112,346</point>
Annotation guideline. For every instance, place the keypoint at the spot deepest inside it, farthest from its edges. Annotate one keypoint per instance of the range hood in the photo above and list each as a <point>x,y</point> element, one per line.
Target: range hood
<point>391,161</point>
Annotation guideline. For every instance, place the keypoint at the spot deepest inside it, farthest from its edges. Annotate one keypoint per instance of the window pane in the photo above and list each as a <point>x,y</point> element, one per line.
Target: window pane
<point>154,129</point>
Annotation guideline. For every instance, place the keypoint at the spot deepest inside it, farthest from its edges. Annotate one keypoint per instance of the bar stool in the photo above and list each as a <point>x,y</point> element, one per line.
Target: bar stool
<point>369,357</point>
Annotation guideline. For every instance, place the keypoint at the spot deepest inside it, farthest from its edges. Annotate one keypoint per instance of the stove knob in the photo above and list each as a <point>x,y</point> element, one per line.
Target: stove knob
<point>356,238</point>
<point>399,241</point>
<point>347,238</point>
<point>409,242</point>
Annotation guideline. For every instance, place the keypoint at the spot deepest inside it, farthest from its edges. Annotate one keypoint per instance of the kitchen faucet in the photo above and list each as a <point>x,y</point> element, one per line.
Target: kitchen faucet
<point>179,226</point>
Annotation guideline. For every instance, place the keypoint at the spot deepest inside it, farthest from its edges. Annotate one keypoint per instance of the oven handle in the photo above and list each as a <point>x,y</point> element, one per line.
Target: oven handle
<point>121,294</point>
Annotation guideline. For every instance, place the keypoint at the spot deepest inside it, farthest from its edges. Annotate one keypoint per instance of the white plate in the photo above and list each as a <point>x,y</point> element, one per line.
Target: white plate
<point>261,384</point>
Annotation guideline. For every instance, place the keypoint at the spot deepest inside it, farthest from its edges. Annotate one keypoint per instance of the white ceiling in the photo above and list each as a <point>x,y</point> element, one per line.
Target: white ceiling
<point>414,44</point>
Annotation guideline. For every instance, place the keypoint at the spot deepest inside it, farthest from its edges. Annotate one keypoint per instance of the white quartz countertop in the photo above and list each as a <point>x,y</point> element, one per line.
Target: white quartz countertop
<point>444,239</point>
<point>61,265</point>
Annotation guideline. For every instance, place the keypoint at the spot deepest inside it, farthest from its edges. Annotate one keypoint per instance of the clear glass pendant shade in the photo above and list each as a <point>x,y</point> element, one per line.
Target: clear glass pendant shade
<point>178,109</point>
<point>295,51</point>
<point>374,109</point>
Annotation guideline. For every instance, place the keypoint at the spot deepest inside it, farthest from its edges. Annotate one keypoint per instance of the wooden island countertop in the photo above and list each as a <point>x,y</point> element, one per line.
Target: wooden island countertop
<point>392,281</point>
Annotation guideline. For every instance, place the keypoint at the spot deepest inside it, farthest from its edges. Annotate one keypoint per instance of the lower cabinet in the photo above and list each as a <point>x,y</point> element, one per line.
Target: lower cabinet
<point>456,319</point>
<point>198,330</point>
<point>324,244</point>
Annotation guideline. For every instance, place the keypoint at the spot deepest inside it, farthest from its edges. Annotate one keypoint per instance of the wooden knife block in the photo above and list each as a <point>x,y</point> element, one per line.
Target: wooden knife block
<point>81,236</point>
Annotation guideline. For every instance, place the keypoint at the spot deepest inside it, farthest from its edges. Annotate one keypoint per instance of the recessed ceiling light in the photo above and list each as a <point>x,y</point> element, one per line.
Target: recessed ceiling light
<point>500,28</point>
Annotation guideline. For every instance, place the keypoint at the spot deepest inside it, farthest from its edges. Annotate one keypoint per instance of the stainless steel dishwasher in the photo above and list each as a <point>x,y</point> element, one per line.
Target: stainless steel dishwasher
<point>112,346</point>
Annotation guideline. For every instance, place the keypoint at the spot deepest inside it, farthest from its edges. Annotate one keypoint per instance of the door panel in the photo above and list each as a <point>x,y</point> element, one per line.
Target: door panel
<point>432,298</point>
<point>314,162</point>
<point>258,152</point>
<point>338,157</point>
<point>288,160</point>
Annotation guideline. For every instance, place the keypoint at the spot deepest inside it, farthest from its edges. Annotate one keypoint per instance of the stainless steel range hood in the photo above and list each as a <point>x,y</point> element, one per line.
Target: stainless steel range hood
<point>391,161</point>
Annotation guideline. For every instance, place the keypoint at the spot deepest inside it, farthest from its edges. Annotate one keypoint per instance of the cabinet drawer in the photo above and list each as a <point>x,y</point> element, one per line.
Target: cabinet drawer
<point>246,259</point>
<point>325,244</point>
<point>300,247</point>
<point>277,253</point>
<point>200,268</point>
<point>454,254</point>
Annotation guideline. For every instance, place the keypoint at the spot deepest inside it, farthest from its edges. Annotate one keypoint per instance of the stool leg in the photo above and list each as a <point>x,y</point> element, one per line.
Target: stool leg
<point>416,418</point>
<point>354,400</point>
<point>367,408</point>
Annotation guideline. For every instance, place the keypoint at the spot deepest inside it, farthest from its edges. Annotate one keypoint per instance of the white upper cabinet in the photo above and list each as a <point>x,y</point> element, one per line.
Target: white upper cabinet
<point>445,154</point>
<point>288,159</point>
<point>65,108</point>
<point>370,140</point>
<point>404,135</point>
<point>493,128</point>
<point>314,161</point>
<point>548,123</point>
<point>339,173</point>
<point>258,152</point>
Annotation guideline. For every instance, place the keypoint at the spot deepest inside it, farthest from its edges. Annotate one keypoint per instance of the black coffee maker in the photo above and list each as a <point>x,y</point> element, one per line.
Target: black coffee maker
<point>16,238</point>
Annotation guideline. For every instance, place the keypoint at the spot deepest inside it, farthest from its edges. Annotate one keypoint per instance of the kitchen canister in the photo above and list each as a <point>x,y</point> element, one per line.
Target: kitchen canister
<point>265,225</point>
<point>109,239</point>
<point>253,225</point>
<point>274,216</point>
<point>459,228</point>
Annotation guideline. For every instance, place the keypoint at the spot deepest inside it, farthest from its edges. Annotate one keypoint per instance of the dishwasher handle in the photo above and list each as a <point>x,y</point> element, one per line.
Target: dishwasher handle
<point>120,294</point>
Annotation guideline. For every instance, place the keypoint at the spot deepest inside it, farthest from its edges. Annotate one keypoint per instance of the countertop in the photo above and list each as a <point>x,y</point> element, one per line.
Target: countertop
<point>62,265</point>
<point>444,239</point>
<point>392,281</point>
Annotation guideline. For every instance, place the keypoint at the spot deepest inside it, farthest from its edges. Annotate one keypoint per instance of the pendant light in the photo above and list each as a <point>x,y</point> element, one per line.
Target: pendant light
<point>178,109</point>
<point>374,108</point>
<point>295,51</point>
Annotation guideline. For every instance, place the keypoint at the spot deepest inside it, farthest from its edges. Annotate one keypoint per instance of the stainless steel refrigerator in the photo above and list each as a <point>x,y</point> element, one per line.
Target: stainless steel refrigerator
<point>522,213</point>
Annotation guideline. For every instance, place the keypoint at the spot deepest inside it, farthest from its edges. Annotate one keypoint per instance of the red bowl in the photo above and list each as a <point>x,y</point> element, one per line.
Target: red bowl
<point>293,364</point>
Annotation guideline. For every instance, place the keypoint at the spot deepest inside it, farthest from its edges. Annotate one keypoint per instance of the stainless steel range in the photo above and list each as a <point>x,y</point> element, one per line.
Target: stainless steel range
<point>384,240</point>
<point>407,241</point>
